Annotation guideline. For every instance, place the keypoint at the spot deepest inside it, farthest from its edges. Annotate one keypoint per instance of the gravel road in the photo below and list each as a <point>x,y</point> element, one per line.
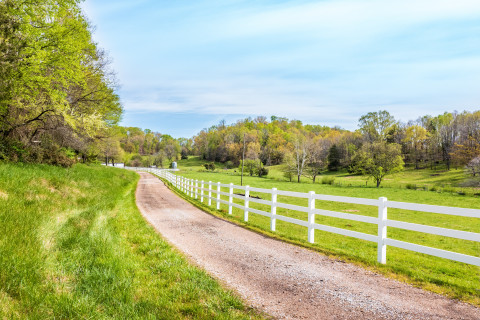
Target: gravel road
<point>285,281</point>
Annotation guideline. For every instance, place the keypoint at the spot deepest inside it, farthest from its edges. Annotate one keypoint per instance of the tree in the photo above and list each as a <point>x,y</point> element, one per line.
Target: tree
<point>317,157</point>
<point>111,150</point>
<point>250,166</point>
<point>300,155</point>
<point>376,126</point>
<point>184,153</point>
<point>415,137</point>
<point>333,158</point>
<point>159,158</point>
<point>53,78</point>
<point>378,159</point>
<point>473,167</point>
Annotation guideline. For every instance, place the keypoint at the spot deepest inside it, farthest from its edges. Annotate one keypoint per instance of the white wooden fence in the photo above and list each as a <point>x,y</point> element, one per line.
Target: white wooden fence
<point>204,191</point>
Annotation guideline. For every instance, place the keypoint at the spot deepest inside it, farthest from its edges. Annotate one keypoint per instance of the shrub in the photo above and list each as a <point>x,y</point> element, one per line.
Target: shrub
<point>262,171</point>
<point>135,163</point>
<point>449,189</point>
<point>411,186</point>
<point>288,175</point>
<point>229,165</point>
<point>328,180</point>
<point>209,166</point>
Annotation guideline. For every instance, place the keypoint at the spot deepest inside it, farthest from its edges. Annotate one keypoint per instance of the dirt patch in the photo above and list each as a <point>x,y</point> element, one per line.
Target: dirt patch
<point>43,183</point>
<point>3,195</point>
<point>283,280</point>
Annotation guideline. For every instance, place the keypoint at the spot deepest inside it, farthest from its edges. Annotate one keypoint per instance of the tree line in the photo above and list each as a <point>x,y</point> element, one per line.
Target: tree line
<point>382,144</point>
<point>136,147</point>
<point>57,92</point>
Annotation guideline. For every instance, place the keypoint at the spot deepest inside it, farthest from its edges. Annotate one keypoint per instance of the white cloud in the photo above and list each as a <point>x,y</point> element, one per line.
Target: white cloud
<point>351,18</point>
<point>327,60</point>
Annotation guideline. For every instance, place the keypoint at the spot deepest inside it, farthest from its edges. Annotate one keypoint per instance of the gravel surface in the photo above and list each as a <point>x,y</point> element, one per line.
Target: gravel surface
<point>285,281</point>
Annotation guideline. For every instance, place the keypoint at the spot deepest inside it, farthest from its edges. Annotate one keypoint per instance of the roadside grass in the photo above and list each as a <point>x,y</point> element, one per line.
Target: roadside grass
<point>454,279</point>
<point>73,245</point>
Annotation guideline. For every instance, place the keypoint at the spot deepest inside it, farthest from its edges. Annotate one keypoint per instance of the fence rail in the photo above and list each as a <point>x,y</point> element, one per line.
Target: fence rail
<point>204,190</point>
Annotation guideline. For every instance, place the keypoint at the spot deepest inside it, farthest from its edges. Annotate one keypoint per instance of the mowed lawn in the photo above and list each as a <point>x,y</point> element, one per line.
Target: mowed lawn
<point>454,279</point>
<point>73,245</point>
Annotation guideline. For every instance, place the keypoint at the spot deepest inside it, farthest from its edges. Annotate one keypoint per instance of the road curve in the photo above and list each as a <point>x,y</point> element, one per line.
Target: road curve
<point>285,281</point>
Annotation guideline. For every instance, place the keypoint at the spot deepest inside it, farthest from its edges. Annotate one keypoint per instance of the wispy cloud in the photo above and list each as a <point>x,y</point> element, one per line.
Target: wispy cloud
<point>327,61</point>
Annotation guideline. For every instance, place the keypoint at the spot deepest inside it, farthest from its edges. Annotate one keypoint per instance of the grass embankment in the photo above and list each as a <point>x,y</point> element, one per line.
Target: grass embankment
<point>443,276</point>
<point>73,245</point>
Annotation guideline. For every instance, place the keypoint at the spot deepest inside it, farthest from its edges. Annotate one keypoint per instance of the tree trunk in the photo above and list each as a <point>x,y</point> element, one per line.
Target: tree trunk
<point>378,182</point>
<point>298,178</point>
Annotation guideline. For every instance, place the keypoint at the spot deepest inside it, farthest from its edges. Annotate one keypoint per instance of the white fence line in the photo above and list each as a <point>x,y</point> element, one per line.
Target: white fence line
<point>191,188</point>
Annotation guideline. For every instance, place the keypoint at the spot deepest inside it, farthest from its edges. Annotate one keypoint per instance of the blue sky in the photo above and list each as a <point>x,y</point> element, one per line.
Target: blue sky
<point>186,65</point>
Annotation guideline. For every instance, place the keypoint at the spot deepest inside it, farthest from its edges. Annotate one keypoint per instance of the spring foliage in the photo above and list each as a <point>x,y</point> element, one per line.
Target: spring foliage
<point>56,89</point>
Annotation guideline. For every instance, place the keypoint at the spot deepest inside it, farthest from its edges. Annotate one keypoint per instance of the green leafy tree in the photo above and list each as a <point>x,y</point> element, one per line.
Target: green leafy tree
<point>415,138</point>
<point>378,159</point>
<point>250,166</point>
<point>54,82</point>
<point>376,126</point>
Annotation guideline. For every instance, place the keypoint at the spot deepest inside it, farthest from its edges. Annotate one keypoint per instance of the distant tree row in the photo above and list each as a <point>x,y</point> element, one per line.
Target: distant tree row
<point>380,146</point>
<point>57,93</point>
<point>137,147</point>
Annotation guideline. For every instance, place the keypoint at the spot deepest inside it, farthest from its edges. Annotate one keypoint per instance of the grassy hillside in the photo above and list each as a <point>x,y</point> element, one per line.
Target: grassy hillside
<point>73,245</point>
<point>440,275</point>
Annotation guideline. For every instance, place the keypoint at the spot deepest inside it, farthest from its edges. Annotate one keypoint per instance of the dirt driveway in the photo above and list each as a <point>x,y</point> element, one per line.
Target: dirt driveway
<point>283,280</point>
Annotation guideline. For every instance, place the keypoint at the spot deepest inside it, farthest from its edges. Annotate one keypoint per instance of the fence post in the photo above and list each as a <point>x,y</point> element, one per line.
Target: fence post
<point>382,231</point>
<point>230,198</point>
<point>273,220</point>
<point>247,195</point>
<point>218,195</point>
<point>311,216</point>
<point>201,191</point>
<point>209,193</point>
<point>196,188</point>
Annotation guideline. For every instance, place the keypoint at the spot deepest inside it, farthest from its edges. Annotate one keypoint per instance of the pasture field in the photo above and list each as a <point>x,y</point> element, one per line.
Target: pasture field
<point>73,245</point>
<point>454,279</point>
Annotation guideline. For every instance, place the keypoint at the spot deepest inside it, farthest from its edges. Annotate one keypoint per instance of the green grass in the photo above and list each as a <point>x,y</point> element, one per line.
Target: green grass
<point>74,246</point>
<point>443,276</point>
<point>440,178</point>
